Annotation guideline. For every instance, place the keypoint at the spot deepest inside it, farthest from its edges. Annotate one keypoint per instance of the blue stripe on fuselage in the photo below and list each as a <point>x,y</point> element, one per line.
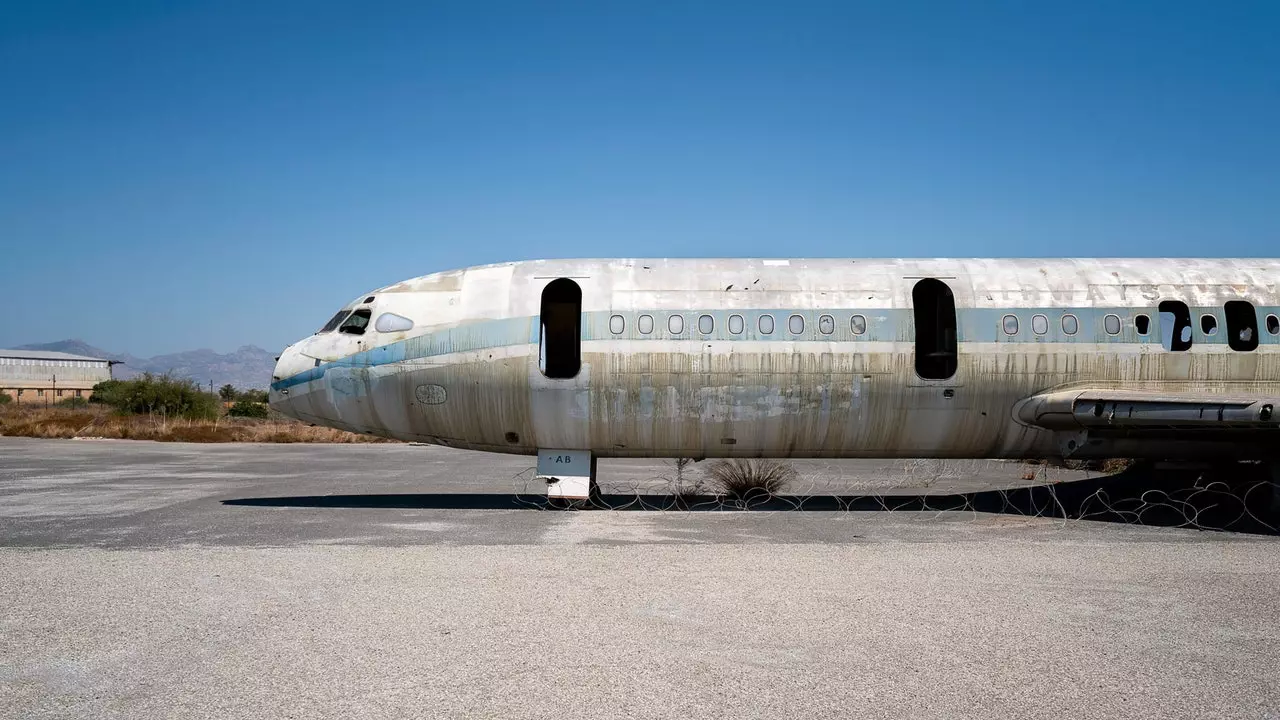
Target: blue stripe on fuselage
<point>883,325</point>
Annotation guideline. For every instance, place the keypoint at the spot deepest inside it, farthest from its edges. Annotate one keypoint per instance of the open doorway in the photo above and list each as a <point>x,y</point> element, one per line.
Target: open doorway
<point>1175,325</point>
<point>935,316</point>
<point>560,341</point>
<point>1242,325</point>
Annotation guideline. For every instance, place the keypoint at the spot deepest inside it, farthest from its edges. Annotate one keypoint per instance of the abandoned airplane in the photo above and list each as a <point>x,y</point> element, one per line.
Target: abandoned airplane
<point>574,360</point>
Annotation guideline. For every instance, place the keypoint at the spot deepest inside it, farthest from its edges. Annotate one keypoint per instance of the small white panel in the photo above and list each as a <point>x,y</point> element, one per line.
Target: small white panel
<point>553,463</point>
<point>570,470</point>
<point>776,263</point>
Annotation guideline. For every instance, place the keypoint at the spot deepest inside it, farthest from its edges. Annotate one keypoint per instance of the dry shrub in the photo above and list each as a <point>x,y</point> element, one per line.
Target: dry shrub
<point>1111,466</point>
<point>204,433</point>
<point>101,422</point>
<point>741,479</point>
<point>682,481</point>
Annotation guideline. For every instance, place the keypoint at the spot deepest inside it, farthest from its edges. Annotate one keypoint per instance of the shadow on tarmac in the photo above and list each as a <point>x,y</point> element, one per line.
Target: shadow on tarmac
<point>1241,499</point>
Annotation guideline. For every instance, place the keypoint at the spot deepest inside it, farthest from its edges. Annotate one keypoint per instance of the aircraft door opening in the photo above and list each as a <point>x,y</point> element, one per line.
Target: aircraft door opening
<point>935,320</point>
<point>560,339</point>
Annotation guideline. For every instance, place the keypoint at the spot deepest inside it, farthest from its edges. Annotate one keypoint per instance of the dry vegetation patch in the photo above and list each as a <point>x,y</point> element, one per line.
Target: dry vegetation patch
<point>101,422</point>
<point>743,479</point>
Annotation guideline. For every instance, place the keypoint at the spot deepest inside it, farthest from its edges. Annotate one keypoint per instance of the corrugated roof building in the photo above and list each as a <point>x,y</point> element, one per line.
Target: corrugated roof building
<point>43,377</point>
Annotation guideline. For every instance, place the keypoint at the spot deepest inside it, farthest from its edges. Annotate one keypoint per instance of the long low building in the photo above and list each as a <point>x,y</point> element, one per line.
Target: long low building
<point>44,377</point>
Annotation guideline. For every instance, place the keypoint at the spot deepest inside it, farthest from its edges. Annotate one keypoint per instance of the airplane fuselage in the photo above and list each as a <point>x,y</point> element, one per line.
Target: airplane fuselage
<point>806,358</point>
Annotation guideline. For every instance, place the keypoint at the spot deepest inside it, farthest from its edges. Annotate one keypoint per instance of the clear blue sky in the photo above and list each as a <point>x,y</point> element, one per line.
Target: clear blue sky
<point>177,175</point>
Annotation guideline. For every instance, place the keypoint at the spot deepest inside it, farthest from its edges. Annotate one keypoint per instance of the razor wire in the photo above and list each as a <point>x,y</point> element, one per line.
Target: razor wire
<point>1248,502</point>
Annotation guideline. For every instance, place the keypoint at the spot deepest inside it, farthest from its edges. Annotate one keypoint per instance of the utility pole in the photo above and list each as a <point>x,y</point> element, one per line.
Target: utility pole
<point>55,389</point>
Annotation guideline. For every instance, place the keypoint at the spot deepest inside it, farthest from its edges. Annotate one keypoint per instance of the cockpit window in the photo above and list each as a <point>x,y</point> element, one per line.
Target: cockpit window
<point>356,324</point>
<point>334,321</point>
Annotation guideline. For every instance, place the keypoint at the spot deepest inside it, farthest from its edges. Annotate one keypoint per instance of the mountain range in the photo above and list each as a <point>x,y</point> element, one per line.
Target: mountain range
<point>247,367</point>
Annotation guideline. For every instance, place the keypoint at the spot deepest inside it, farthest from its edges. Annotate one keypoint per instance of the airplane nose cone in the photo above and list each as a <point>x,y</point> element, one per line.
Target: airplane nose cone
<point>290,363</point>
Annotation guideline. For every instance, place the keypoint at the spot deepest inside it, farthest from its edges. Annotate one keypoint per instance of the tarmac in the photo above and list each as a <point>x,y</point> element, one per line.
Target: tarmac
<point>143,580</point>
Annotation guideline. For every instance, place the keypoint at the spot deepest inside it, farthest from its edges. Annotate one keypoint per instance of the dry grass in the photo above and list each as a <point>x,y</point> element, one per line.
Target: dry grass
<point>743,479</point>
<point>101,422</point>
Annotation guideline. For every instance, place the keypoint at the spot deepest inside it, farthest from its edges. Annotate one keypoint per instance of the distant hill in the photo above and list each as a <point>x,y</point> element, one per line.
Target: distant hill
<point>247,367</point>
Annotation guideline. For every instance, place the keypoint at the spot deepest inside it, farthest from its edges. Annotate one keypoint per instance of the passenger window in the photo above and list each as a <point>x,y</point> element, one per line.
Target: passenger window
<point>826,324</point>
<point>644,324</point>
<point>766,325</point>
<point>1071,325</point>
<point>1242,325</point>
<point>1010,324</point>
<point>1039,324</point>
<point>391,322</point>
<point>736,324</point>
<point>617,324</point>
<point>1208,324</point>
<point>356,323</point>
<point>706,324</point>
<point>1273,324</point>
<point>1142,324</point>
<point>560,346</point>
<point>858,324</point>
<point>795,324</point>
<point>1175,325</point>
<point>675,324</point>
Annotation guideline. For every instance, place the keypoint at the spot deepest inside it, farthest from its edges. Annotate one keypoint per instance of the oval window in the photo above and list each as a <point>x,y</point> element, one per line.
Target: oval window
<point>1273,324</point>
<point>1142,324</point>
<point>1070,325</point>
<point>706,324</point>
<point>1208,324</point>
<point>644,324</point>
<point>1111,324</point>
<point>391,322</point>
<point>795,324</point>
<point>1039,324</point>
<point>858,324</point>
<point>766,324</point>
<point>617,324</point>
<point>826,324</point>
<point>675,324</point>
<point>735,324</point>
<point>1010,324</point>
